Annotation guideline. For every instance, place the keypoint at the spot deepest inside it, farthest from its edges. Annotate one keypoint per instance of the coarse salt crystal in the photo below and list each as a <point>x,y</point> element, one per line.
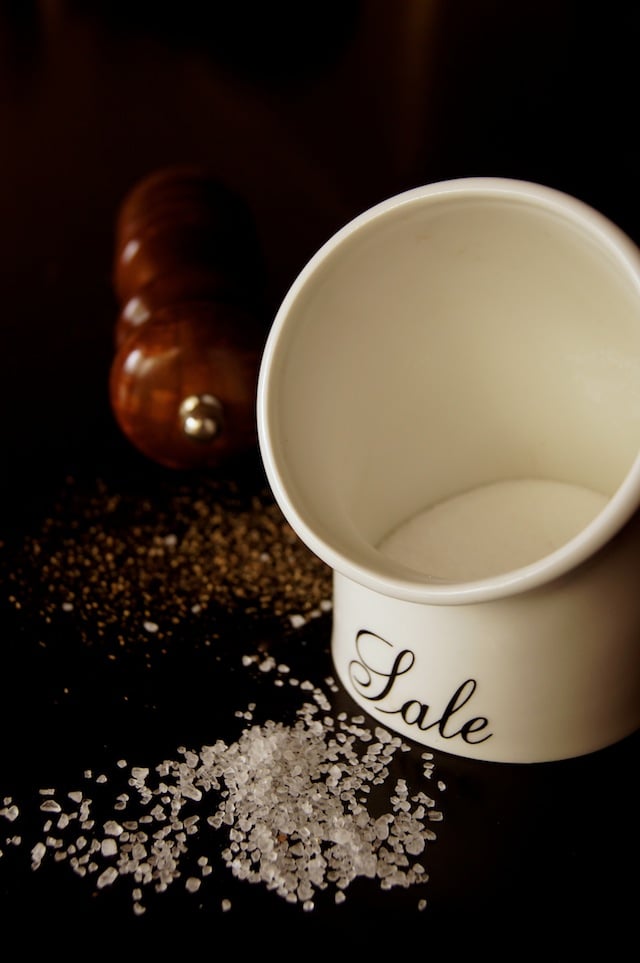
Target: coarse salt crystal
<point>109,847</point>
<point>107,877</point>
<point>112,828</point>
<point>10,812</point>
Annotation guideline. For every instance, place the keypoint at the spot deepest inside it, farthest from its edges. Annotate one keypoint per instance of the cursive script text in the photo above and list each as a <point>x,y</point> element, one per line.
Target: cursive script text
<point>377,682</point>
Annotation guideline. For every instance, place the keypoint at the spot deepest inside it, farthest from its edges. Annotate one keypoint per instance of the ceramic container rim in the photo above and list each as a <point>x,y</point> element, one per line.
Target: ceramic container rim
<point>619,509</point>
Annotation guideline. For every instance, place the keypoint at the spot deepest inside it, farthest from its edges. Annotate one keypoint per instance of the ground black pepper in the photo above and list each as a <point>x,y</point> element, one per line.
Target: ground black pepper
<point>130,566</point>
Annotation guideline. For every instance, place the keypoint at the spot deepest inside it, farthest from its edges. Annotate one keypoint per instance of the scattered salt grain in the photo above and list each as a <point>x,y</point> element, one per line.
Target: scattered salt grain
<point>291,800</point>
<point>113,828</point>
<point>109,847</point>
<point>10,812</point>
<point>37,854</point>
<point>107,877</point>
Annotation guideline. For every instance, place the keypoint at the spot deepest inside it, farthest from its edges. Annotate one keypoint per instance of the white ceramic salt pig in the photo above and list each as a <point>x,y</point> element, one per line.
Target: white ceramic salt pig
<point>461,334</point>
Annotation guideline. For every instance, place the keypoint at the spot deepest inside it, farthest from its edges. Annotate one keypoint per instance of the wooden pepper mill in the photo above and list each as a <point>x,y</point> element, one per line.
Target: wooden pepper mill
<point>188,277</point>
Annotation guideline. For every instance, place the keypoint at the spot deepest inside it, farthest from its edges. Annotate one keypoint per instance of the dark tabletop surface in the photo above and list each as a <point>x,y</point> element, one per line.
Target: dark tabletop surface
<point>148,612</point>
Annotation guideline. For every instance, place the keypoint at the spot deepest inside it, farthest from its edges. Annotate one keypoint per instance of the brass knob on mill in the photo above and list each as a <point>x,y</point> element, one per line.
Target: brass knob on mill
<point>188,277</point>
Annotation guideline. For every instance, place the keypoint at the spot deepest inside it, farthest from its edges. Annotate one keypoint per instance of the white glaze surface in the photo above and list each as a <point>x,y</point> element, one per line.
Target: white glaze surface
<point>493,528</point>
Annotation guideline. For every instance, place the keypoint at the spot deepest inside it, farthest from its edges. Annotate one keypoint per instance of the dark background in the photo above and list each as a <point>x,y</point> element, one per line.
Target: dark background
<point>312,112</point>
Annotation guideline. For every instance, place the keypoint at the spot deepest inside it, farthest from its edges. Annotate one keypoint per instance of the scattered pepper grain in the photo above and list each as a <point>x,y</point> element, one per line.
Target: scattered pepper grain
<point>132,569</point>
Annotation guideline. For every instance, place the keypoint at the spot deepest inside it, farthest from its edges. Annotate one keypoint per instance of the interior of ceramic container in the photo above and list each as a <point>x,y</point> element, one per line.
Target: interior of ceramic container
<point>445,344</point>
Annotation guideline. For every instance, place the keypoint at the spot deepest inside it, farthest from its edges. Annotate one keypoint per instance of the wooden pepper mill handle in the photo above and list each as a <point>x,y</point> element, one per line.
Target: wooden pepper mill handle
<point>188,276</point>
